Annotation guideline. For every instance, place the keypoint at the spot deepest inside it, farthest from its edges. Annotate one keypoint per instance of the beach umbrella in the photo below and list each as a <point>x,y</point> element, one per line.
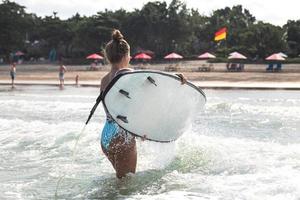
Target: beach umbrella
<point>173,56</point>
<point>94,57</point>
<point>237,55</point>
<point>275,57</point>
<point>206,56</point>
<point>148,52</point>
<point>143,56</point>
<point>19,53</point>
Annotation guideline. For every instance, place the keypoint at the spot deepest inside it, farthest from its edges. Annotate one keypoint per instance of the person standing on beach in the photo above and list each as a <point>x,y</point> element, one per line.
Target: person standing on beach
<point>62,71</point>
<point>13,71</point>
<point>77,80</point>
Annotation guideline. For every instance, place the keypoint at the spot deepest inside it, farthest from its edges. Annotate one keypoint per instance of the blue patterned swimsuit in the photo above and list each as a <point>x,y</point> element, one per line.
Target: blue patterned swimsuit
<point>112,130</point>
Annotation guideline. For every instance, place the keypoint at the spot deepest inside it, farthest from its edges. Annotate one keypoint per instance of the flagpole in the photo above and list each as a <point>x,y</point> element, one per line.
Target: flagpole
<point>225,51</point>
<point>226,47</point>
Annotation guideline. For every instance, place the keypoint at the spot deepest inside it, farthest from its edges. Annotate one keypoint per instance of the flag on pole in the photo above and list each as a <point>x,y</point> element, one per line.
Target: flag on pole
<point>221,34</point>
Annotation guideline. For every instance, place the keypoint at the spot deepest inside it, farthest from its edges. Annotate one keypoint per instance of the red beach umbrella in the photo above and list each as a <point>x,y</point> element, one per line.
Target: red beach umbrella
<point>143,56</point>
<point>94,56</point>
<point>275,56</point>
<point>173,56</point>
<point>237,55</point>
<point>148,52</point>
<point>206,56</point>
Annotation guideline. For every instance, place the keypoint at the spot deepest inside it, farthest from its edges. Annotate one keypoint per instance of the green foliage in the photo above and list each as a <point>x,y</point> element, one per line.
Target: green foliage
<point>14,23</point>
<point>292,29</point>
<point>264,39</point>
<point>157,26</point>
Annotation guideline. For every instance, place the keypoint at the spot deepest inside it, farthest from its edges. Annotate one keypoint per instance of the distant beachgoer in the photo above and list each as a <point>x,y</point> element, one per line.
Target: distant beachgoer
<point>278,68</point>
<point>77,80</point>
<point>62,71</point>
<point>270,67</point>
<point>13,71</point>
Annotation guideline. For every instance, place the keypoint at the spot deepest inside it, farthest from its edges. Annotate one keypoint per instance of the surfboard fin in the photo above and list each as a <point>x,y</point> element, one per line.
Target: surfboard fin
<point>149,78</point>
<point>122,118</point>
<point>125,93</point>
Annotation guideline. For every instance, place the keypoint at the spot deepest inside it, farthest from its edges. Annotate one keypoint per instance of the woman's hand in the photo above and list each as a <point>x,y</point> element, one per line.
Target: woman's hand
<point>182,78</point>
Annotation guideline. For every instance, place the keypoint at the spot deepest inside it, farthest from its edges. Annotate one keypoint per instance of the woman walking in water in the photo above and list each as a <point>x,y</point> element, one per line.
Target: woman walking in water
<point>13,71</point>
<point>118,145</point>
<point>62,70</point>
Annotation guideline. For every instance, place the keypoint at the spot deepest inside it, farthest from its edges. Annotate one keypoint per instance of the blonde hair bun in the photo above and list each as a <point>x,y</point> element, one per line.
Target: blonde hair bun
<point>117,35</point>
<point>117,48</point>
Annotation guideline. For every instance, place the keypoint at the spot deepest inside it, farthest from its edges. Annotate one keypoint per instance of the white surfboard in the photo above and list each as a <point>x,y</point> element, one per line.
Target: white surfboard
<point>152,104</point>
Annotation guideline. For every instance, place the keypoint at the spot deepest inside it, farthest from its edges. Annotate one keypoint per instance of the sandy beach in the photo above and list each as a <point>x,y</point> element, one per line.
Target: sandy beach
<point>254,76</point>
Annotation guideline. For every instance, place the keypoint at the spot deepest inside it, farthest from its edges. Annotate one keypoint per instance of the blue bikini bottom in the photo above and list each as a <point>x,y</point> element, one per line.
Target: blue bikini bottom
<point>112,130</point>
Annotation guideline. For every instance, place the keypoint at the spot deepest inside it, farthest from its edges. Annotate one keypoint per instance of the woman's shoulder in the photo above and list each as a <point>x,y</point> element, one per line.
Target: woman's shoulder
<point>123,70</point>
<point>104,81</point>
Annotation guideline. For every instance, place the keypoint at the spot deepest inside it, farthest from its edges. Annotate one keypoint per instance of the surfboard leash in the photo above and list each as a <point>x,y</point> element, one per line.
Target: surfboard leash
<point>98,100</point>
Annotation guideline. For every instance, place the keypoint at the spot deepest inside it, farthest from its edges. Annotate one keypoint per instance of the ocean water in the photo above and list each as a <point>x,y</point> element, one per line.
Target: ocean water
<point>245,145</point>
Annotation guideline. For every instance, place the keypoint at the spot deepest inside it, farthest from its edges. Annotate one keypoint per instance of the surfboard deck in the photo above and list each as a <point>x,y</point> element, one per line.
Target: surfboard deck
<point>152,104</point>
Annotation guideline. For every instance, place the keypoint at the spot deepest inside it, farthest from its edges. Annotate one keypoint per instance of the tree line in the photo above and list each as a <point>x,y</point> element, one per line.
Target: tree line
<point>157,26</point>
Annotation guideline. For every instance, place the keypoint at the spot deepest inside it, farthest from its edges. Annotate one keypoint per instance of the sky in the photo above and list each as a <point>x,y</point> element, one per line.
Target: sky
<point>272,11</point>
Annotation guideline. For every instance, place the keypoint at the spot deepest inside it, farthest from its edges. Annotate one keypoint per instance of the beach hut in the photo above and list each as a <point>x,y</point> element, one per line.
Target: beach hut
<point>275,59</point>
<point>235,64</point>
